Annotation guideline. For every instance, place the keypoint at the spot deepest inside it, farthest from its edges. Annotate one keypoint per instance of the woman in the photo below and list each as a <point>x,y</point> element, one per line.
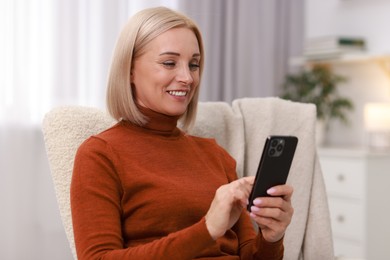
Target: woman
<point>144,189</point>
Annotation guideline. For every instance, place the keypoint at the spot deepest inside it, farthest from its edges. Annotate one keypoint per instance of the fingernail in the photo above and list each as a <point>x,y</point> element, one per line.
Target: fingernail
<point>257,201</point>
<point>255,209</point>
<point>271,191</point>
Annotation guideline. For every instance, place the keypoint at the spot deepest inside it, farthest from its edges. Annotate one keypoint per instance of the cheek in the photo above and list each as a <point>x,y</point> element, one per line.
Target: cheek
<point>195,84</point>
<point>196,78</point>
<point>194,88</point>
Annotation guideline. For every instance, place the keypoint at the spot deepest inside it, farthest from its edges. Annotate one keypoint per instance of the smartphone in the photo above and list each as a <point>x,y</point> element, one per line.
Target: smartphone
<point>274,166</point>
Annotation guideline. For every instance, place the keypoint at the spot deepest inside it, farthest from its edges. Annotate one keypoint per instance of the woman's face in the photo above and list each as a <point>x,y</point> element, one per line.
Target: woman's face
<point>166,75</point>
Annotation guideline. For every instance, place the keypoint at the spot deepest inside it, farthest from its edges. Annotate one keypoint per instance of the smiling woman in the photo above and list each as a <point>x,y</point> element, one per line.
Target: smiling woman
<point>175,54</point>
<point>145,188</point>
<point>166,81</point>
<point>57,53</point>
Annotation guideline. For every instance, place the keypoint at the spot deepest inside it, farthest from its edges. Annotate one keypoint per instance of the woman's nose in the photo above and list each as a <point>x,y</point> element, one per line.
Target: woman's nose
<point>184,75</point>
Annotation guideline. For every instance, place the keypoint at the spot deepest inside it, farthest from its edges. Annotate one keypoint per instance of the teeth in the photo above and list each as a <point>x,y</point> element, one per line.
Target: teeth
<point>178,93</point>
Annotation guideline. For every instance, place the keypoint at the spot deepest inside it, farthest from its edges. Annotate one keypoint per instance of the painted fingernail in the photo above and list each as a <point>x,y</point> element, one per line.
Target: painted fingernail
<point>271,191</point>
<point>257,201</point>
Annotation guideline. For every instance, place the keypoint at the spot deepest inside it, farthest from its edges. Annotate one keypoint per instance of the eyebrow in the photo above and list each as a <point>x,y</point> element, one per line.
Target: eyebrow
<point>178,54</point>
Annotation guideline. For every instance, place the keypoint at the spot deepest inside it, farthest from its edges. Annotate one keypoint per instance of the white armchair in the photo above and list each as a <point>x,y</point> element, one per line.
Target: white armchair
<point>241,128</point>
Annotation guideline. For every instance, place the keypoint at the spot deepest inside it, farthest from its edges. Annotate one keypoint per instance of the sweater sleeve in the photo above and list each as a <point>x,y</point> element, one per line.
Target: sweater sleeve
<point>251,245</point>
<point>96,193</point>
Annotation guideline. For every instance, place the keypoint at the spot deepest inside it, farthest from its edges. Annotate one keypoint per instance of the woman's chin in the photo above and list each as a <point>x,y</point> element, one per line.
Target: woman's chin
<point>176,113</point>
<point>176,110</point>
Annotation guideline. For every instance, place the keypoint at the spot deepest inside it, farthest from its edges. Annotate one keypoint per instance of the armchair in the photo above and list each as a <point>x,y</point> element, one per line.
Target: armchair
<point>241,128</point>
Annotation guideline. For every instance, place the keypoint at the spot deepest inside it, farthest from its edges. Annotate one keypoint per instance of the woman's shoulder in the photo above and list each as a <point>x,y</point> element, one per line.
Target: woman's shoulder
<point>112,132</point>
<point>108,136</point>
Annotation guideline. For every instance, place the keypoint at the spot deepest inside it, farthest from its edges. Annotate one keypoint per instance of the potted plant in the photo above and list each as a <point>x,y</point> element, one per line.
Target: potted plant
<point>318,85</point>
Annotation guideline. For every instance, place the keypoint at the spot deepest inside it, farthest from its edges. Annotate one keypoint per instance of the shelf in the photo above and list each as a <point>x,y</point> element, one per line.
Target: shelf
<point>346,58</point>
<point>382,60</point>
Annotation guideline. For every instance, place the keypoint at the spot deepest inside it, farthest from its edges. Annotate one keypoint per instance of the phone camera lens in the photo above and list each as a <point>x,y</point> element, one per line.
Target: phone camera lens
<point>274,143</point>
<point>276,147</point>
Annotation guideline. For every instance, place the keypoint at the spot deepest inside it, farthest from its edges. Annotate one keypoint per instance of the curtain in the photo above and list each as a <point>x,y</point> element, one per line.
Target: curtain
<point>248,44</point>
<point>55,53</point>
<point>52,53</point>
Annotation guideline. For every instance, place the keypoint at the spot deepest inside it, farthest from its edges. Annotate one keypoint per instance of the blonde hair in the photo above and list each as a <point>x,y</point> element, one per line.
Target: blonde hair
<point>142,28</point>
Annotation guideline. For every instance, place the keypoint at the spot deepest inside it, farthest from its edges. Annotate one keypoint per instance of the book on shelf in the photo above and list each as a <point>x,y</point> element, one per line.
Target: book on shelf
<point>327,42</point>
<point>329,53</point>
<point>333,46</point>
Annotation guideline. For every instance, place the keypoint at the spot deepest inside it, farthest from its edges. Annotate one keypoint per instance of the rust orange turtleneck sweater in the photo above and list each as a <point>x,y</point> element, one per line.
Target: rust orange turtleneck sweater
<point>142,193</point>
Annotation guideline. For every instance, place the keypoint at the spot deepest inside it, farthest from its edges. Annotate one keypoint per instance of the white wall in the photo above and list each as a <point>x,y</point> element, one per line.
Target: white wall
<point>368,18</point>
<point>367,81</point>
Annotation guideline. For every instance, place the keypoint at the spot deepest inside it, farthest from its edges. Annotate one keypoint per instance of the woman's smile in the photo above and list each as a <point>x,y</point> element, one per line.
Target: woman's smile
<point>165,77</point>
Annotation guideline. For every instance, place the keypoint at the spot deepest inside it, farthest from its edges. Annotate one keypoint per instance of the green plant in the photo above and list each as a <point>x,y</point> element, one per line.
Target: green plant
<point>318,85</point>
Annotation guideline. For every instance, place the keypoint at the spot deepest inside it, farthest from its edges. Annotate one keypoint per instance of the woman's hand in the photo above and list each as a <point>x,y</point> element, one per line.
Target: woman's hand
<point>273,214</point>
<point>227,205</point>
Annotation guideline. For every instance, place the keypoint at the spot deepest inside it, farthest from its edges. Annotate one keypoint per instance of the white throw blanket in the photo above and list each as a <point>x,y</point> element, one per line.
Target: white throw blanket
<point>241,129</point>
<point>309,234</point>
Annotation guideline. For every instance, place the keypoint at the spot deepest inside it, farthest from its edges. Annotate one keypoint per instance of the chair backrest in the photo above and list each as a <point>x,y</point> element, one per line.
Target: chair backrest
<point>241,129</point>
<point>64,129</point>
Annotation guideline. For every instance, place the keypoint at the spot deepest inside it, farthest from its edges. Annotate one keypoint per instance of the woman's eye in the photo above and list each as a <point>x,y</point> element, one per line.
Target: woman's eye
<point>169,64</point>
<point>194,66</point>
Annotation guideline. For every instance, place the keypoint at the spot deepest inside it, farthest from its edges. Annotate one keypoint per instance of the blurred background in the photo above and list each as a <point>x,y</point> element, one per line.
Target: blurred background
<point>58,52</point>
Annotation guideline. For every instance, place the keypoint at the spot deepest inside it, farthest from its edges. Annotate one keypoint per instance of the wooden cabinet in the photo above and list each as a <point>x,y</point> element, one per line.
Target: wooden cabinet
<point>358,187</point>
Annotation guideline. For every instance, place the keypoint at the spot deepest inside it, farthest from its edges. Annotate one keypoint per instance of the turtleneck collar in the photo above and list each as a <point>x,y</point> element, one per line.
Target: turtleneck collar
<point>159,123</point>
